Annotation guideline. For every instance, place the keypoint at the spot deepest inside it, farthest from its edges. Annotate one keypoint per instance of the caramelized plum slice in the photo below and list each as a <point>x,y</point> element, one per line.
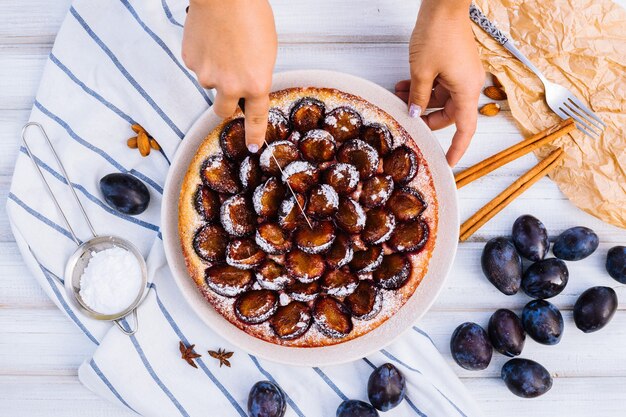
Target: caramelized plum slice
<point>303,291</point>
<point>409,236</point>
<point>376,190</point>
<point>227,280</point>
<point>207,203</point>
<point>301,176</point>
<point>323,201</point>
<point>267,197</point>
<point>303,266</point>
<point>378,136</point>
<point>277,126</point>
<point>317,146</point>
<point>361,155</point>
<point>343,123</point>
<point>394,271</point>
<point>367,260</point>
<point>406,204</point>
<point>350,216</point>
<point>272,276</point>
<point>210,243</point>
<point>340,252</point>
<point>289,214</point>
<point>250,175</point>
<point>291,321</point>
<point>365,302</point>
<point>237,217</point>
<point>332,317</point>
<point>283,151</point>
<point>379,225</point>
<point>307,114</point>
<point>317,239</point>
<point>244,254</point>
<point>219,174</point>
<point>272,239</point>
<point>344,178</point>
<point>256,306</point>
<point>339,282</point>
<point>401,164</point>
<point>233,140</point>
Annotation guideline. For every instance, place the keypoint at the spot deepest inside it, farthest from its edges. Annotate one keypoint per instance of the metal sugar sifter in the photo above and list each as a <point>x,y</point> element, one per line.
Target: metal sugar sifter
<point>78,261</point>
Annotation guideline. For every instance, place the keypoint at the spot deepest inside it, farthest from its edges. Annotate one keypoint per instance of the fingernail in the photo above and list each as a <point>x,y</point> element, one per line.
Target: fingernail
<point>415,111</point>
<point>253,147</point>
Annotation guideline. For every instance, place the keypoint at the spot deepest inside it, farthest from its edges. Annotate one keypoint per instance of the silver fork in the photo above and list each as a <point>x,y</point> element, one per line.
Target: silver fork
<point>559,99</point>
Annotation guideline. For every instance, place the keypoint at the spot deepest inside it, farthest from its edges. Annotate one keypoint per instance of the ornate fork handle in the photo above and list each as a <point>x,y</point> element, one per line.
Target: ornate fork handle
<point>481,20</point>
<point>487,25</point>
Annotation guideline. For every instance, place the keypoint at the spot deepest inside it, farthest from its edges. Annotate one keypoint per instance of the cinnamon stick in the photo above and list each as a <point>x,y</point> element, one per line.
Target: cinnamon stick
<point>522,148</point>
<point>503,199</point>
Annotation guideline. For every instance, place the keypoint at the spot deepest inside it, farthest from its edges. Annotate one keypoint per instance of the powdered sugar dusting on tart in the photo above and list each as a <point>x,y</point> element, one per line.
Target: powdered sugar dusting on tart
<point>391,300</point>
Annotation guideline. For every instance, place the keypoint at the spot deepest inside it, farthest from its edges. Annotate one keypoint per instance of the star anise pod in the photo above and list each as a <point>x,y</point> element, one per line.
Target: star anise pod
<point>222,356</point>
<point>187,353</point>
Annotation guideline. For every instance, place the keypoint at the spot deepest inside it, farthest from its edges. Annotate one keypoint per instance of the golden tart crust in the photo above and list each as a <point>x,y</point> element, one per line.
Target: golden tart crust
<point>189,220</point>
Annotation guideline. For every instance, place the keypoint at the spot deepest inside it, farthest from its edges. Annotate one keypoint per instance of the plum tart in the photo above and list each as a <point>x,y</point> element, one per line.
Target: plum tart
<point>335,260</point>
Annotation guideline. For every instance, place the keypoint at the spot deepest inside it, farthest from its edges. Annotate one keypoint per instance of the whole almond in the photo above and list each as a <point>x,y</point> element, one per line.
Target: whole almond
<point>155,145</point>
<point>143,143</point>
<point>132,142</point>
<point>490,109</point>
<point>137,128</point>
<point>494,93</point>
<point>495,81</point>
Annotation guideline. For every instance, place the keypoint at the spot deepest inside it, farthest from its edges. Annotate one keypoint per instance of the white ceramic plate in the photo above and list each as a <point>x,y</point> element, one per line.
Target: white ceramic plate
<point>413,309</point>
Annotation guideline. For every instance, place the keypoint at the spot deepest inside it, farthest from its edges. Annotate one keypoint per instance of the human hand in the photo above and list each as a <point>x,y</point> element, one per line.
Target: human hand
<point>231,46</point>
<point>443,55</point>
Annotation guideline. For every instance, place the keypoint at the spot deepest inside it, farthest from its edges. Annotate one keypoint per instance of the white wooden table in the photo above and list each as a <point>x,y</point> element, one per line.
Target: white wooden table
<point>40,349</point>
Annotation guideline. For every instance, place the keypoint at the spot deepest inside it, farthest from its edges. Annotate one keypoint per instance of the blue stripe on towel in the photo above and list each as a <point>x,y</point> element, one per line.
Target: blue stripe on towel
<point>167,50</point>
<point>106,382</point>
<point>66,307</point>
<point>101,99</point>
<point>40,217</point>
<point>423,333</point>
<point>393,358</point>
<point>93,198</point>
<point>89,91</point>
<point>83,142</point>
<point>168,14</point>
<point>199,361</point>
<point>153,374</point>
<point>408,401</point>
<point>124,72</point>
<point>330,383</point>
<point>271,378</point>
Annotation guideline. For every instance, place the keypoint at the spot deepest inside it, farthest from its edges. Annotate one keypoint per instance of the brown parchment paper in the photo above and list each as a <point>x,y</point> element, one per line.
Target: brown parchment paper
<point>580,44</point>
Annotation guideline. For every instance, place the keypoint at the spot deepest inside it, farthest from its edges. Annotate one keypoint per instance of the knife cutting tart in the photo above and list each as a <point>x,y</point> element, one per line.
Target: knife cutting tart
<point>342,265</point>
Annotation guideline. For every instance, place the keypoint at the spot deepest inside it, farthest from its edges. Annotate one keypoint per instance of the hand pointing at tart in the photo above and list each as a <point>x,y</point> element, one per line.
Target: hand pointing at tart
<point>231,46</point>
<point>446,71</point>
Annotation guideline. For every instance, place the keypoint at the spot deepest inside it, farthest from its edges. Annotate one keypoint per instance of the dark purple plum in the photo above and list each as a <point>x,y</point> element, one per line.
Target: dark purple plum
<point>575,244</point>
<point>470,347</point>
<point>545,278</point>
<point>595,308</point>
<point>266,399</point>
<point>543,322</point>
<point>386,387</point>
<point>502,265</point>
<point>526,378</point>
<point>125,193</point>
<point>530,238</point>
<point>356,408</point>
<point>506,332</point>
<point>616,263</point>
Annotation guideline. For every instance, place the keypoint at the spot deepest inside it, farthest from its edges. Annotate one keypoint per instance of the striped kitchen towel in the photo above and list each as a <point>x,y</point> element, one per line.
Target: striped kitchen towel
<point>115,63</point>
